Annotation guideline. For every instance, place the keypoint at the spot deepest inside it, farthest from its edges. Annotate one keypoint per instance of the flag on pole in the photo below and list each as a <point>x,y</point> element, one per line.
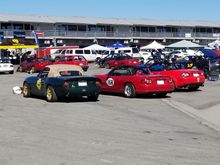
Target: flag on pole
<point>35,37</point>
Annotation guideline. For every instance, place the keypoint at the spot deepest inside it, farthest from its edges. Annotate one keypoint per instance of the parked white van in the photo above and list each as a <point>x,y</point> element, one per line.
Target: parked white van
<point>132,51</point>
<point>89,55</point>
<point>56,55</point>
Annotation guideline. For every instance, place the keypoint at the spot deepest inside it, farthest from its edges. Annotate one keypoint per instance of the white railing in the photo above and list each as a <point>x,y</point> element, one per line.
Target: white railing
<point>122,34</point>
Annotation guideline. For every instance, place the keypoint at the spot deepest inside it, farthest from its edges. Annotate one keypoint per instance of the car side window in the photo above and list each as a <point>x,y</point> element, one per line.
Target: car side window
<point>69,58</point>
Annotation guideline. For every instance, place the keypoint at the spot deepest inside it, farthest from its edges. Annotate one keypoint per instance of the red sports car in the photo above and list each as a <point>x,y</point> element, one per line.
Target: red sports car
<point>74,60</point>
<point>132,80</point>
<point>33,65</point>
<point>190,79</point>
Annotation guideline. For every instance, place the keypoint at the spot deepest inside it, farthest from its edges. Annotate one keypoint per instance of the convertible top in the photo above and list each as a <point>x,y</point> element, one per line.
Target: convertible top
<point>56,69</point>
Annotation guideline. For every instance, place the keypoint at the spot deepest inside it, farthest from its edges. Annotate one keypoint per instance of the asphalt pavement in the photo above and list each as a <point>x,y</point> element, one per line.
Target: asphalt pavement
<point>182,129</point>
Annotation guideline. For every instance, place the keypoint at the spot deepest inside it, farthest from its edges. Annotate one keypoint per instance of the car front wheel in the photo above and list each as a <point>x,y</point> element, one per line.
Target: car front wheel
<point>129,90</point>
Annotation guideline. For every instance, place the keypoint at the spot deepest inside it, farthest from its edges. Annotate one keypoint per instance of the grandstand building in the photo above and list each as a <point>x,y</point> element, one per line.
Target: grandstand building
<point>84,31</point>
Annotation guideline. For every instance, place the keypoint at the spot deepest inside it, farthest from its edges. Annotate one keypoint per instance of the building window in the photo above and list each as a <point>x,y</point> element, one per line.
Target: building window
<point>109,28</point>
<point>18,26</point>
<point>168,29</point>
<point>62,27</point>
<point>6,26</point>
<point>72,27</point>
<point>209,30</point>
<point>92,28</point>
<point>144,29</point>
<point>27,27</point>
<point>81,27</point>
<point>160,29</point>
<point>216,30</point>
<point>152,29</point>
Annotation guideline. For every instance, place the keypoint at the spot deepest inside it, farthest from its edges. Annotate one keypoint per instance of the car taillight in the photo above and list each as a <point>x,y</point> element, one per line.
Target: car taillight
<point>147,81</point>
<point>185,74</point>
<point>195,74</point>
<point>98,83</point>
<point>66,84</point>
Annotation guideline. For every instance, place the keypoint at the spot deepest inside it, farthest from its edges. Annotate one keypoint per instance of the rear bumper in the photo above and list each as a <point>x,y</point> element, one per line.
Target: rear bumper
<point>2,70</point>
<point>167,88</point>
<point>195,81</point>
<point>75,92</point>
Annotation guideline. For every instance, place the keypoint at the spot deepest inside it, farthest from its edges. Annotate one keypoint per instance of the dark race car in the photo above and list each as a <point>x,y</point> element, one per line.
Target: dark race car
<point>132,80</point>
<point>62,81</point>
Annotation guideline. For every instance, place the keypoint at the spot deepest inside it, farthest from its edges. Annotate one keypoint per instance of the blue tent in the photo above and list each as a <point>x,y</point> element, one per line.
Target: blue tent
<point>117,45</point>
<point>208,53</point>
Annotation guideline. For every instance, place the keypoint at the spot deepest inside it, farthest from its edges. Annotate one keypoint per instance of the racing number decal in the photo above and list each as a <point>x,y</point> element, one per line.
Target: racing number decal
<point>38,84</point>
<point>110,82</point>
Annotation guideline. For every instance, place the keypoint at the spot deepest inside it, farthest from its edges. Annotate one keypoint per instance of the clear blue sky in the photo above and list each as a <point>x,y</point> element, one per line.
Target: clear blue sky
<point>155,9</point>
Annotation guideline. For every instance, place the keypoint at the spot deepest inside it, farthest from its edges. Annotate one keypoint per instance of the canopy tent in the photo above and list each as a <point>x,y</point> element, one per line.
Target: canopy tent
<point>154,45</point>
<point>12,43</point>
<point>96,47</point>
<point>214,44</point>
<point>184,44</point>
<point>117,45</point>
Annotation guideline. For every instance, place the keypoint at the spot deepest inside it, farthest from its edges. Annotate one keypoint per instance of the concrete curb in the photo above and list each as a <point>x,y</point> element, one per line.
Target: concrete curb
<point>192,112</point>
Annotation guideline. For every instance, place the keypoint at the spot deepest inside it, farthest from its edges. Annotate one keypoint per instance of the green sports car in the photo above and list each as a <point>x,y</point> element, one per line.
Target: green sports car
<point>62,81</point>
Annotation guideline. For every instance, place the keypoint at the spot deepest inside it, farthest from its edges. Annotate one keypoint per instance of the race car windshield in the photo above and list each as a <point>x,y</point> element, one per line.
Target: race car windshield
<point>70,73</point>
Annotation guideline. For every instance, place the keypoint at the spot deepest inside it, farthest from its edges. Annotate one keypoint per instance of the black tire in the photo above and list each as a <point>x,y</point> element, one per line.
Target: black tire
<point>107,66</point>
<point>195,88</point>
<point>20,69</point>
<point>26,90</point>
<point>85,69</point>
<point>142,61</point>
<point>57,59</point>
<point>161,95</point>
<point>33,69</point>
<point>93,97</point>
<point>129,90</point>
<point>97,60</point>
<point>50,94</point>
<point>12,72</point>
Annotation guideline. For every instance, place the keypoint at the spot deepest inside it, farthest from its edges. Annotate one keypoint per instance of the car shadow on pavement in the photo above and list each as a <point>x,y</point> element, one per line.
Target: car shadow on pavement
<point>66,100</point>
<point>139,96</point>
<point>187,90</point>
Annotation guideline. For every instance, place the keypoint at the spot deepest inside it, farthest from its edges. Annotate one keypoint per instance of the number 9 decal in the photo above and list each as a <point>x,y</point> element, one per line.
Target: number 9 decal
<point>38,84</point>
